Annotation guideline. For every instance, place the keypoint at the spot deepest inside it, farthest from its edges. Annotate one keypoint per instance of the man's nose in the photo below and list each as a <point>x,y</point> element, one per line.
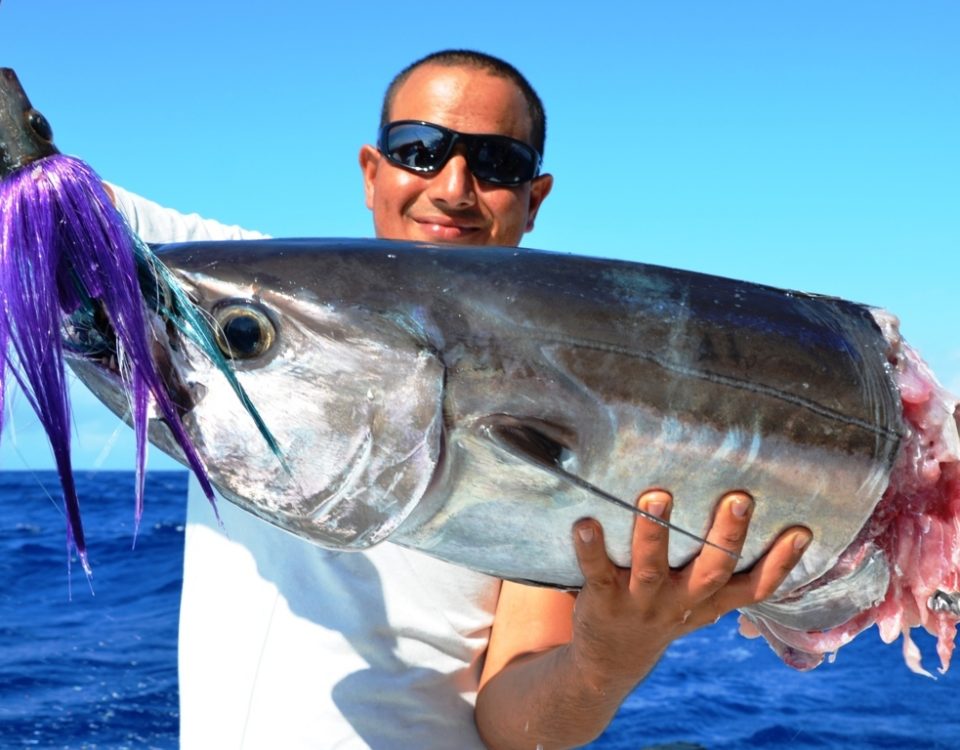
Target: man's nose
<point>455,184</point>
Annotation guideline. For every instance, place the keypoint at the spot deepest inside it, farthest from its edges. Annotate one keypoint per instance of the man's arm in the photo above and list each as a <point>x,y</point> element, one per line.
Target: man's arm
<point>156,223</point>
<point>558,667</point>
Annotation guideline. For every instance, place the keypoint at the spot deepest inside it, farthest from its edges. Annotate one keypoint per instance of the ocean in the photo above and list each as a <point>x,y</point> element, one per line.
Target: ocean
<point>95,666</point>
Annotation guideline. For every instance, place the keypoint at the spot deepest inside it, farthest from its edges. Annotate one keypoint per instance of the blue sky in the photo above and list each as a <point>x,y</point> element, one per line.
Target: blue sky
<point>811,145</point>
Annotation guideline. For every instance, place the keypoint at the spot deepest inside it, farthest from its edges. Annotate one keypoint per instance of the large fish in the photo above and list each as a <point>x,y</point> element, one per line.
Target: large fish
<point>475,403</point>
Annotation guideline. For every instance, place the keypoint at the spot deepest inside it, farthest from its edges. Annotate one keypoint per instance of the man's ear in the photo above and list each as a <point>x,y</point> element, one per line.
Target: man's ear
<point>539,190</point>
<point>369,163</point>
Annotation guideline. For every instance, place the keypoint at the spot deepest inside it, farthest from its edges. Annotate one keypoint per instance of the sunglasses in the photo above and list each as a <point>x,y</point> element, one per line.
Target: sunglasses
<point>424,147</point>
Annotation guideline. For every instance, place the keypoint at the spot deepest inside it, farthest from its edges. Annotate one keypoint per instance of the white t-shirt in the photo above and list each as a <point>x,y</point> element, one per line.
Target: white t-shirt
<point>286,645</point>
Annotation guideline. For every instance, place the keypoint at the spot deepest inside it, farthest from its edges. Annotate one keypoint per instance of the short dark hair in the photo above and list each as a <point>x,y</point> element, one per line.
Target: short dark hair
<point>481,61</point>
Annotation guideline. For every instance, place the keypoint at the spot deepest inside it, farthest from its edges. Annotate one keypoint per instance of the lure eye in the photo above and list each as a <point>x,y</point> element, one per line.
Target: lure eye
<point>40,125</point>
<point>243,331</point>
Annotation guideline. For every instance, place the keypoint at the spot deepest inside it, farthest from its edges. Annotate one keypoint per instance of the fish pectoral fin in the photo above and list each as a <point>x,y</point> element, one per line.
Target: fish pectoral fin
<point>537,440</point>
<point>550,446</point>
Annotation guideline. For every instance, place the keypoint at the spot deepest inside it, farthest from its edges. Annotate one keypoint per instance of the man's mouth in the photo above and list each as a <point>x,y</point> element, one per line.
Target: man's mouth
<point>445,229</point>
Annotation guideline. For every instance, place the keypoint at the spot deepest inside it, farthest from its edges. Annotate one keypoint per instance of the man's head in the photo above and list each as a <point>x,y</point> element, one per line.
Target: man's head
<point>470,93</point>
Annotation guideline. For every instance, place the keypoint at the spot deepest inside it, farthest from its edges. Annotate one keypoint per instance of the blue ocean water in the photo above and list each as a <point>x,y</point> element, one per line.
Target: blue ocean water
<point>98,670</point>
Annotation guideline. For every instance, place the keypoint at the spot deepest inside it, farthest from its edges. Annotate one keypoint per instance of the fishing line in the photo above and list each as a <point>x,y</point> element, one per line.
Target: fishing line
<point>59,509</point>
<point>529,443</point>
<point>109,445</point>
<point>606,496</point>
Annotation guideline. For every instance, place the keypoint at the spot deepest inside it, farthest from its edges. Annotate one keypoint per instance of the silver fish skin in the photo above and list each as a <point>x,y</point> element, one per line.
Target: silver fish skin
<point>467,402</point>
<point>25,134</point>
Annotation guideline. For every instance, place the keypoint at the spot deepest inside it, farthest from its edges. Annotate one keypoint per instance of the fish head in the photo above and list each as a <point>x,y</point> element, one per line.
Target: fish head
<point>350,400</point>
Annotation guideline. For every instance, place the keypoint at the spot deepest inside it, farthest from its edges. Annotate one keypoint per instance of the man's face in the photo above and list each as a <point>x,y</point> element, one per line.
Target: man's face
<point>451,205</point>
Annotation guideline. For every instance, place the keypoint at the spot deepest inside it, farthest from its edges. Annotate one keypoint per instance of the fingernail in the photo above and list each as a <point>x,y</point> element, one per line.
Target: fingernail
<point>741,505</point>
<point>586,534</point>
<point>655,508</point>
<point>801,540</point>
<point>654,503</point>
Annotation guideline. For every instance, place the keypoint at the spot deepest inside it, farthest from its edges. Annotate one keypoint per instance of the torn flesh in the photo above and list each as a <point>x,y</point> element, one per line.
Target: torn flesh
<point>916,525</point>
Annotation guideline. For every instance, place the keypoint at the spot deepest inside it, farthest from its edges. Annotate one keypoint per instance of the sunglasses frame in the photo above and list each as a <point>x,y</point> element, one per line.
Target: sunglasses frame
<point>472,142</point>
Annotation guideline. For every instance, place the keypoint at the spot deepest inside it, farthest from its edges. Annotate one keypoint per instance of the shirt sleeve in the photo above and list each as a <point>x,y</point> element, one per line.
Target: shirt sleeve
<point>156,223</point>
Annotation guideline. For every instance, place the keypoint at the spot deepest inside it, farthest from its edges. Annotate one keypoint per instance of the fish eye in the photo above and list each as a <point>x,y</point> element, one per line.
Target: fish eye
<point>243,331</point>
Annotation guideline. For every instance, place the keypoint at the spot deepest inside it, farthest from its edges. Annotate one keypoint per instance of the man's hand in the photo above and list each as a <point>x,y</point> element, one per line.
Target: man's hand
<point>557,668</point>
<point>624,619</point>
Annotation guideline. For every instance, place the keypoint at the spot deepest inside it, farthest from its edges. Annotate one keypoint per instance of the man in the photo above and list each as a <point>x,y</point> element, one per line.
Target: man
<point>284,644</point>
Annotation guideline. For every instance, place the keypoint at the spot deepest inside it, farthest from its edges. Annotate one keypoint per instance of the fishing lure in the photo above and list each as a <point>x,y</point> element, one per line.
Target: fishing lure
<point>67,258</point>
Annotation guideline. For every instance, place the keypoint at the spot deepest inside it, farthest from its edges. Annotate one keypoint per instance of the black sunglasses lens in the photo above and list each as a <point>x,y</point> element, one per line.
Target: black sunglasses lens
<point>419,147</point>
<point>503,161</point>
<point>424,147</point>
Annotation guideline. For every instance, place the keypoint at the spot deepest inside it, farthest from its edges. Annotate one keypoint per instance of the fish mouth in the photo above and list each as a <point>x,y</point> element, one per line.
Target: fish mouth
<point>88,337</point>
<point>183,396</point>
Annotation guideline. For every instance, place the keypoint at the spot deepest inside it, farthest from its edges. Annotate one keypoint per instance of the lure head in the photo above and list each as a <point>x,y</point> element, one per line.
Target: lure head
<point>25,134</point>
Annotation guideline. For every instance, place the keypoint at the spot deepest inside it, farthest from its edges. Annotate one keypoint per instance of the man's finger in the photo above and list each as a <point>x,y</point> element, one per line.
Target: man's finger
<point>598,571</point>
<point>768,572</point>
<point>712,568</point>
<point>649,564</point>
